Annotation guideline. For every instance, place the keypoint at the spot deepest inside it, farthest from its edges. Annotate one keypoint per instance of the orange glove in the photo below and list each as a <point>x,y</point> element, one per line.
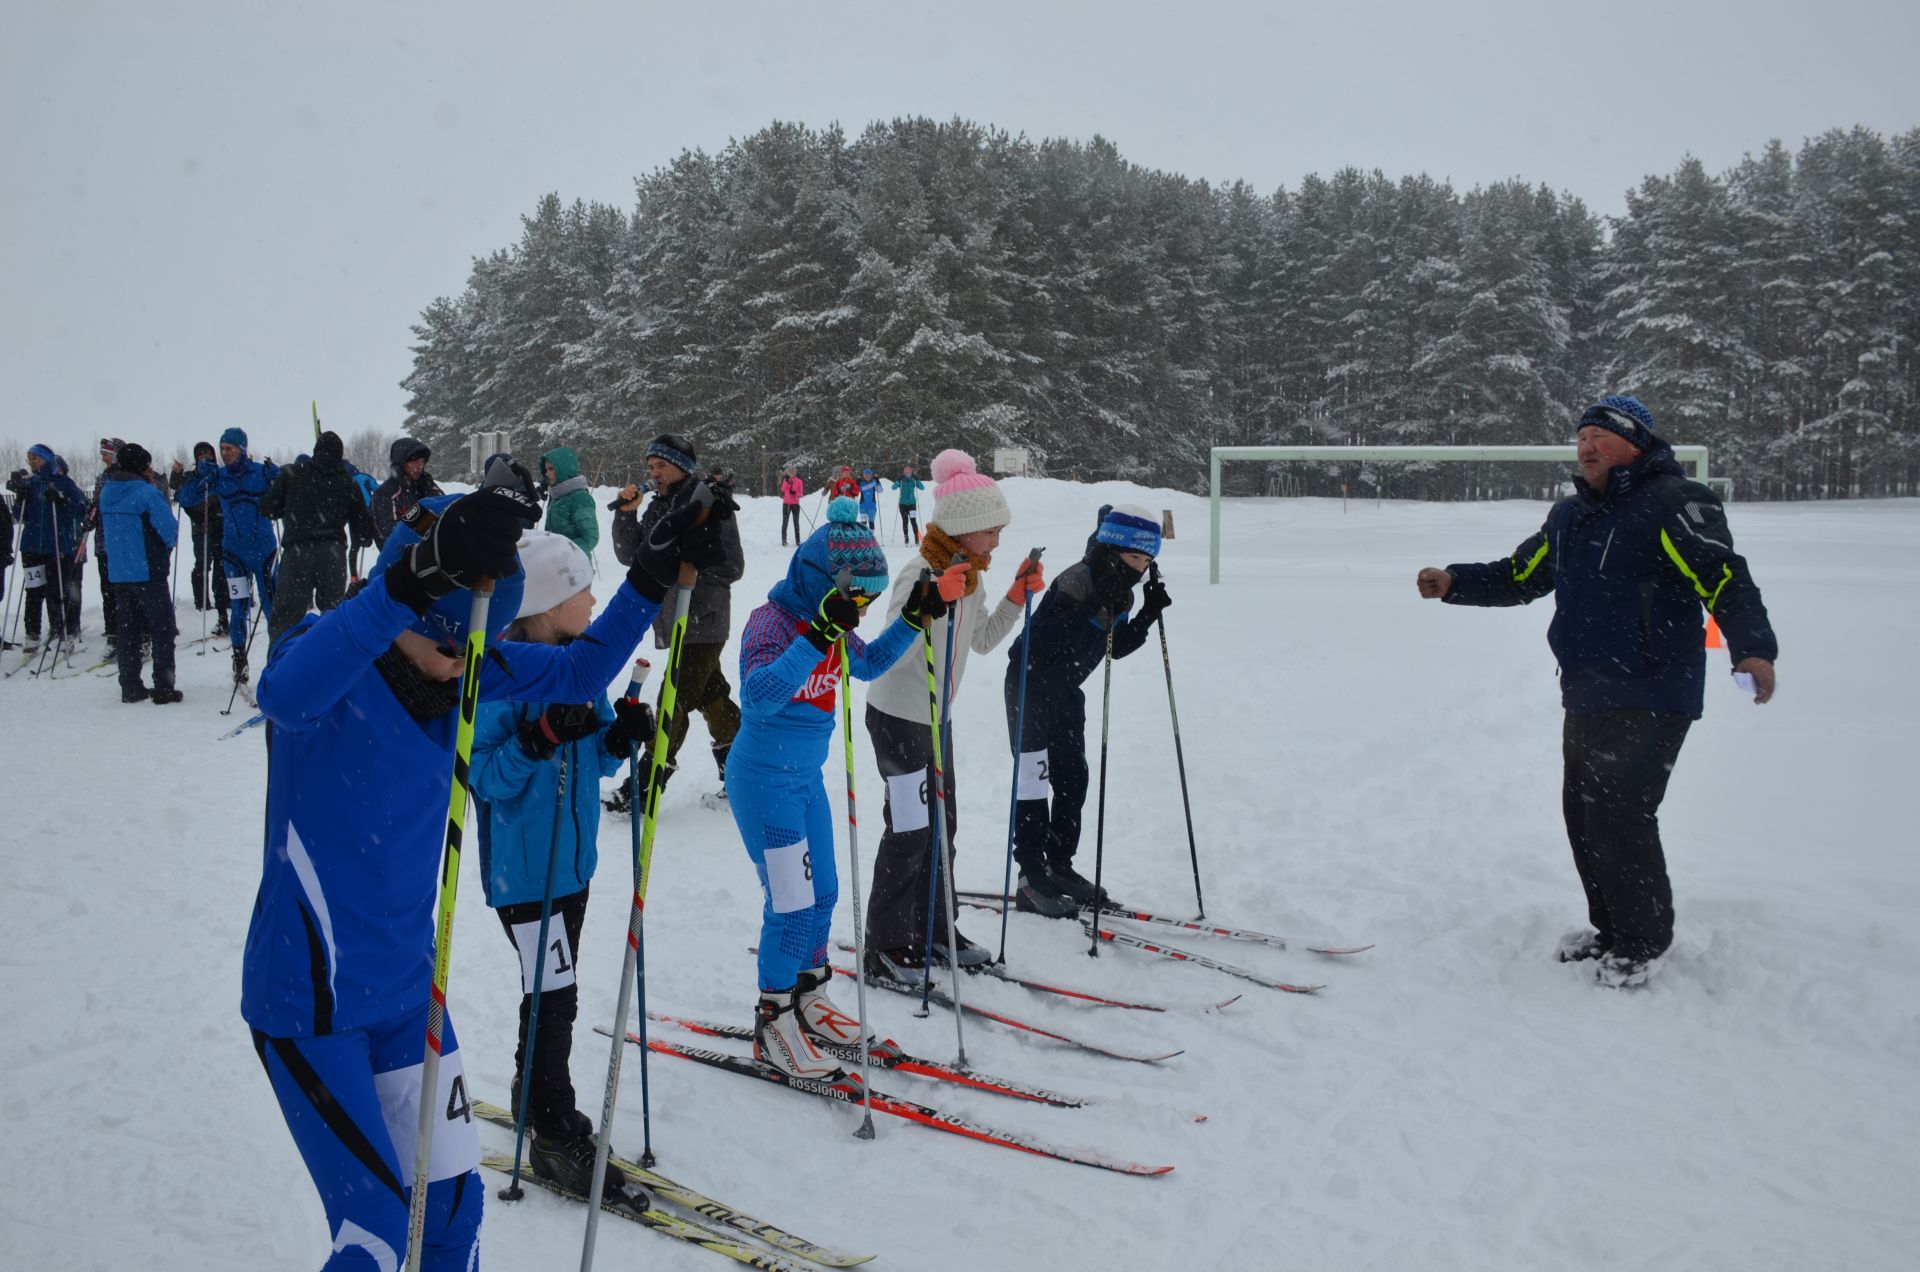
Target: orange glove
<point>1029,580</point>
<point>953,581</point>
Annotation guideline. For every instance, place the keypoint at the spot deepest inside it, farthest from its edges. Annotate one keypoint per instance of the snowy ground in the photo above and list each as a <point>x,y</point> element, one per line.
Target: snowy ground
<point>1366,767</point>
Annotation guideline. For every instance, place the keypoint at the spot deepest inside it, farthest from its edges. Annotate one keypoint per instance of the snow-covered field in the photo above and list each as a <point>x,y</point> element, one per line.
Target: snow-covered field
<point>1365,767</point>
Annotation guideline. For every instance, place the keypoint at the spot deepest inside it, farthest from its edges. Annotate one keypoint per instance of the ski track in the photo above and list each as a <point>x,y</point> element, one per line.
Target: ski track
<point>1365,767</point>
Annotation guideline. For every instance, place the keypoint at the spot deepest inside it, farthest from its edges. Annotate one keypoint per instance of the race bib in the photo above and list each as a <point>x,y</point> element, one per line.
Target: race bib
<point>36,576</point>
<point>907,802</point>
<point>239,587</point>
<point>456,1139</point>
<point>790,877</point>
<point>559,955</point>
<point>1036,780</point>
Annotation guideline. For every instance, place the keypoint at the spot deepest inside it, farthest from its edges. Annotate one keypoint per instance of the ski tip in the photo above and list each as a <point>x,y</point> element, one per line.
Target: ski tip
<point>1337,951</point>
<point>1225,1003</point>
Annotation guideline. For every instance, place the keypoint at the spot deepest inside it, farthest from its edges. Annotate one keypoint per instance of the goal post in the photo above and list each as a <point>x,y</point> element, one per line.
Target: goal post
<point>1694,456</point>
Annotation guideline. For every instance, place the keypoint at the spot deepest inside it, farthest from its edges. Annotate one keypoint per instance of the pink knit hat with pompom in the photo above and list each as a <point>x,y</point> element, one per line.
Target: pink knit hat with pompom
<point>964,499</point>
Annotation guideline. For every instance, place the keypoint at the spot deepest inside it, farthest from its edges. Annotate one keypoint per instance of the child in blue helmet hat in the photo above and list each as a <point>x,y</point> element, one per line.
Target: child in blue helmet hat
<point>360,705</point>
<point>789,688</point>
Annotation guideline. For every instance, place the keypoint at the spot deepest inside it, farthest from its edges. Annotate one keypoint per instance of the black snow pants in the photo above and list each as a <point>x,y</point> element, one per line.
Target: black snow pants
<point>1617,766</point>
<point>903,864</point>
<point>550,1100</point>
<point>315,572</point>
<point>145,614</point>
<point>790,512</point>
<point>56,577</point>
<point>1052,784</point>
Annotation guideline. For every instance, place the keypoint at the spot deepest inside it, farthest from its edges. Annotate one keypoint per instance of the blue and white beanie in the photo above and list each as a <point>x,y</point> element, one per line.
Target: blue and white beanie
<point>1622,414</point>
<point>1130,528</point>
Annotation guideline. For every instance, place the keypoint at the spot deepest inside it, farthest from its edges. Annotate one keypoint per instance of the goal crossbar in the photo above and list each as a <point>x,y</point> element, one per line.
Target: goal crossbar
<point>1695,456</point>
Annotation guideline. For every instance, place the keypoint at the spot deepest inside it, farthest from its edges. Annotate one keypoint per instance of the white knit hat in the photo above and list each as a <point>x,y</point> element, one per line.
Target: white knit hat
<point>556,570</point>
<point>965,500</point>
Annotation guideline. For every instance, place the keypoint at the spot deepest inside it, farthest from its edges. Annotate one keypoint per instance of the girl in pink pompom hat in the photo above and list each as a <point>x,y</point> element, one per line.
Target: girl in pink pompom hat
<point>968,516</point>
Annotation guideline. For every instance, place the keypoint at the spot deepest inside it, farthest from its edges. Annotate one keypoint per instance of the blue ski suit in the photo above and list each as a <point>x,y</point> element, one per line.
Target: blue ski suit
<point>247,541</point>
<point>788,692</point>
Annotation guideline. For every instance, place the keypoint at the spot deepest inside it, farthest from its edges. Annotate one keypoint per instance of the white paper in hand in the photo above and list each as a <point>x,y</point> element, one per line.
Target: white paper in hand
<point>1743,681</point>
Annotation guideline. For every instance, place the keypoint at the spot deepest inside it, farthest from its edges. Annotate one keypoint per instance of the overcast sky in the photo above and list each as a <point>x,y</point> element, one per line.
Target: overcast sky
<point>212,213</point>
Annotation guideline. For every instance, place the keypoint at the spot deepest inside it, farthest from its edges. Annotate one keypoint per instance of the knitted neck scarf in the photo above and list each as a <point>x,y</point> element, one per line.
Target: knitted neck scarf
<point>425,700</point>
<point>939,550</point>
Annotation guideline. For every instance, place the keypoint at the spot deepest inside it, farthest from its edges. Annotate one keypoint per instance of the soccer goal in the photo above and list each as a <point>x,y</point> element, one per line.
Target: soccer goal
<point>1693,456</point>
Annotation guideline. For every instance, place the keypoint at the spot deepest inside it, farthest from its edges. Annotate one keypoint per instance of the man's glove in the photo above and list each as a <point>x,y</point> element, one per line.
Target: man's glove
<point>926,602</point>
<point>473,539</point>
<point>1153,598</point>
<point>689,534</point>
<point>206,468</point>
<point>837,615</point>
<point>562,722</point>
<point>633,725</point>
<point>55,494</point>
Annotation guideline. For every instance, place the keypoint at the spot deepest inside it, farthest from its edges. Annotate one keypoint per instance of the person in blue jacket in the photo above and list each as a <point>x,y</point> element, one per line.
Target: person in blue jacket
<point>1088,604</point>
<point>247,541</point>
<point>789,684</point>
<point>50,508</point>
<point>527,830</point>
<point>869,498</point>
<point>361,706</point>
<point>1634,559</point>
<point>140,529</point>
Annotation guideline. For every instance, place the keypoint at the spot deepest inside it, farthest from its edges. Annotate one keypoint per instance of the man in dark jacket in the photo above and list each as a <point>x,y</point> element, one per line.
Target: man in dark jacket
<point>50,507</point>
<point>205,517</point>
<point>109,452</point>
<point>317,505</point>
<point>673,466</point>
<point>410,483</point>
<point>1632,558</point>
<point>140,528</point>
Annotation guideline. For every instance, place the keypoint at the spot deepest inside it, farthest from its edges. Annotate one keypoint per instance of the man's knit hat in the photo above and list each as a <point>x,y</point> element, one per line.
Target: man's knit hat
<point>1627,416</point>
<point>109,447</point>
<point>676,450</point>
<point>965,500</point>
<point>132,457</point>
<point>1129,528</point>
<point>203,450</point>
<point>555,568</point>
<point>851,546</point>
<point>328,446</point>
<point>234,437</point>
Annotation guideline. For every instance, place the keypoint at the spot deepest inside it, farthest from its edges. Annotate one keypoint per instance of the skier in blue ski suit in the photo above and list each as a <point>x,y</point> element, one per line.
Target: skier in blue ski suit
<point>49,506</point>
<point>869,498</point>
<point>789,685</point>
<point>361,721</point>
<point>247,543</point>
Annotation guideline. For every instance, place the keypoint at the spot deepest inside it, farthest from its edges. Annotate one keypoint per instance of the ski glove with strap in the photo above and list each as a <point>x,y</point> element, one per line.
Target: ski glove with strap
<point>561,722</point>
<point>688,535</point>
<point>633,725</point>
<point>473,539</point>
<point>838,614</point>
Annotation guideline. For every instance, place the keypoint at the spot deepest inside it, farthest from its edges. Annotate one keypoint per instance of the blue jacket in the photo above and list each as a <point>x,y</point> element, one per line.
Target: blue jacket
<point>1631,569</point>
<point>788,689</point>
<point>516,794</point>
<point>245,531</point>
<point>137,527</point>
<point>869,494</point>
<point>342,931</point>
<point>366,484</point>
<point>40,531</point>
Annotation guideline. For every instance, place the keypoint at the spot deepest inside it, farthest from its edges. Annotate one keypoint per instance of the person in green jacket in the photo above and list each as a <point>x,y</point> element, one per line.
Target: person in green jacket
<point>909,487</point>
<point>570,509</point>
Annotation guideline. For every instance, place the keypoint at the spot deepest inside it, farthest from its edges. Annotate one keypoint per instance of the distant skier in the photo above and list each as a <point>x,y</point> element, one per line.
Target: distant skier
<point>319,509</point>
<point>1067,643</point>
<point>792,490</point>
<point>410,483</point>
<point>844,486</point>
<point>789,687</point>
<point>869,498</point>
<point>50,508</point>
<point>140,528</point>
<point>109,603</point>
<point>909,488</point>
<point>247,542</point>
<point>361,706</point>
<point>205,518</point>
<point>1632,557</point>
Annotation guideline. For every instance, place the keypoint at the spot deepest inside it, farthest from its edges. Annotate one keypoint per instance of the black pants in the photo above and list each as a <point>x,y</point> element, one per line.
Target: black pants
<point>789,512</point>
<point>703,688</point>
<point>315,572</point>
<point>62,579</point>
<point>146,613</point>
<point>1617,766</point>
<point>207,587</point>
<point>109,616</point>
<point>909,523</point>
<point>1054,774</point>
<point>550,1100</point>
<point>903,864</point>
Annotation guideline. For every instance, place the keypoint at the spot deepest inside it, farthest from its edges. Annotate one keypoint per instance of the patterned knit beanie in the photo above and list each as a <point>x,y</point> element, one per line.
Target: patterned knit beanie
<point>851,546</point>
<point>1130,528</point>
<point>675,450</point>
<point>1624,415</point>
<point>965,500</point>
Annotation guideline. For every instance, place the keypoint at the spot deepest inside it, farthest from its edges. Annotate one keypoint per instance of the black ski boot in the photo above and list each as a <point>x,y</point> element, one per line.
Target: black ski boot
<point>1578,946</point>
<point>904,965</point>
<point>972,956</point>
<point>565,1156</point>
<point>1039,893</point>
<point>163,697</point>
<point>139,693</point>
<point>1072,883</point>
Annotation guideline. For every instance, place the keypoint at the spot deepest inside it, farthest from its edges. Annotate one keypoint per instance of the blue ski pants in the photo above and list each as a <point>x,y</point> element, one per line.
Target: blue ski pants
<point>786,823</point>
<point>245,578</point>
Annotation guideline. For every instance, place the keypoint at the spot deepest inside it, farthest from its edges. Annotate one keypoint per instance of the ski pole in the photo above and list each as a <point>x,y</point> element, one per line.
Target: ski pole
<point>513,1191</point>
<point>173,586</point>
<point>245,649</point>
<point>16,599</point>
<point>1100,821</point>
<point>632,963</point>
<point>443,923</point>
<point>865,1130</point>
<point>57,612</point>
<point>636,685</point>
<point>943,842</point>
<point>1019,741</point>
<point>1179,753</point>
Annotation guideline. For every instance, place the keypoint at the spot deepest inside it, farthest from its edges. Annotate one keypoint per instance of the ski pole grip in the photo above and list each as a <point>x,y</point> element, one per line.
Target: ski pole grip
<point>638,682</point>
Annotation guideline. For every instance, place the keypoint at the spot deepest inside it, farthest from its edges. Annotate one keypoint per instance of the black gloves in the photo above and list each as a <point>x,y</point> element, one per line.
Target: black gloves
<point>562,722</point>
<point>837,615</point>
<point>633,725</point>
<point>924,603</point>
<point>473,539</point>
<point>1153,598</point>
<point>677,540</point>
